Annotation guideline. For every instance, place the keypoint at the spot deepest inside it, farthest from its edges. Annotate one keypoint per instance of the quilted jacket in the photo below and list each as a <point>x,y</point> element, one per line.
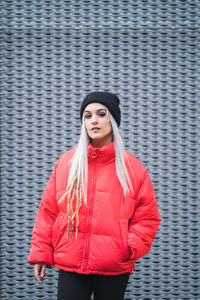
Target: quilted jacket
<point>113,230</point>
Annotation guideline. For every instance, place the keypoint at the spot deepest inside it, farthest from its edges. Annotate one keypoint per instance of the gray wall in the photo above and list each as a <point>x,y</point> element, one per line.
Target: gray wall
<point>148,53</point>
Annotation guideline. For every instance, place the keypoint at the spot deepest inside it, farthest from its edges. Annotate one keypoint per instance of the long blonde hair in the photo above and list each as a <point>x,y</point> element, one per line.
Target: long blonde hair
<point>77,181</point>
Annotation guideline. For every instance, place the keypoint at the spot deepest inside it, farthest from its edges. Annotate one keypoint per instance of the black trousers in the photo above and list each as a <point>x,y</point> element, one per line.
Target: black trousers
<point>74,286</point>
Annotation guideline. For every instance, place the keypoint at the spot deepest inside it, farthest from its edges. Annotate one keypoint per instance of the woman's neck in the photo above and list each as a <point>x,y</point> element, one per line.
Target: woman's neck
<point>101,143</point>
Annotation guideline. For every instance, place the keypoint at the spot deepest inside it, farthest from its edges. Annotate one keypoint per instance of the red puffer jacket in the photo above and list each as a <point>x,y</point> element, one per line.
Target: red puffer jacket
<point>113,232</point>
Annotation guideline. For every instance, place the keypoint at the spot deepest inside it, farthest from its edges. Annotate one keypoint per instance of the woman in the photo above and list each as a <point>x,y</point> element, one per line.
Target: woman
<point>98,212</point>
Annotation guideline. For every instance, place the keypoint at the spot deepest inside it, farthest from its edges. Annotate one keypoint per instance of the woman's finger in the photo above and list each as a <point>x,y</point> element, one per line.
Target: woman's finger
<point>37,269</point>
<point>43,272</point>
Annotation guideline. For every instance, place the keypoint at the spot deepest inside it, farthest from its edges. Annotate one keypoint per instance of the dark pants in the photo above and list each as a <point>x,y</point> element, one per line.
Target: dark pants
<point>74,286</point>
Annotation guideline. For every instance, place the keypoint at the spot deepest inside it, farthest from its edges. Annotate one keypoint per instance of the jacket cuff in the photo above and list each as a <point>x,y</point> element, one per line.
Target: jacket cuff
<point>139,247</point>
<point>132,253</point>
<point>36,256</point>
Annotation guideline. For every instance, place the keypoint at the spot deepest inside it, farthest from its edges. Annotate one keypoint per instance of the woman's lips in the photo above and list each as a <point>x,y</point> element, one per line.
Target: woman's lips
<point>95,128</point>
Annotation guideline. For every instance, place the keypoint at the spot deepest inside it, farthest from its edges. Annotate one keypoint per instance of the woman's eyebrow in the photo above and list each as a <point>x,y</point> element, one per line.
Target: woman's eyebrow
<point>96,110</point>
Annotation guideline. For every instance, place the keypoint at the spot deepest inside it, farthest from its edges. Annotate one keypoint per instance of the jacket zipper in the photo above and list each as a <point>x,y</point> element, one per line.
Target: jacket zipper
<point>88,226</point>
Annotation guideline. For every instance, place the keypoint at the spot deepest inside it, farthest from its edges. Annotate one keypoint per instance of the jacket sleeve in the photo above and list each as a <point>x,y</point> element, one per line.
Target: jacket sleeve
<point>145,221</point>
<point>41,247</point>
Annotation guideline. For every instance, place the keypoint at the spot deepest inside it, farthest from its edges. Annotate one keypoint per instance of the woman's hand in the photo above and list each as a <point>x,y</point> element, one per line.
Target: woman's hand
<point>40,271</point>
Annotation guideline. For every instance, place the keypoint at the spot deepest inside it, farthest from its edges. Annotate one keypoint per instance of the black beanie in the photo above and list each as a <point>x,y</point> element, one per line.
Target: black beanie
<point>111,101</point>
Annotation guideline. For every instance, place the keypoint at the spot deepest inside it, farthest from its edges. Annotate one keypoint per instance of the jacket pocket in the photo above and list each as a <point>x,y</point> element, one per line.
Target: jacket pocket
<point>124,238</point>
<point>57,229</point>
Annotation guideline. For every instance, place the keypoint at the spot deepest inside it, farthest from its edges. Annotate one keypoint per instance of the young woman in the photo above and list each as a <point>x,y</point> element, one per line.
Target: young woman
<point>98,212</point>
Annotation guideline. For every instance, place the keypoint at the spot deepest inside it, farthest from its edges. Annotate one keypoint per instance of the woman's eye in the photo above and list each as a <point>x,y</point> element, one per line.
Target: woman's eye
<point>87,116</point>
<point>102,114</point>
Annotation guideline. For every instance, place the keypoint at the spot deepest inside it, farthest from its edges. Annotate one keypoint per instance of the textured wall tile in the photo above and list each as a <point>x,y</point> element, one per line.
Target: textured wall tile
<point>148,53</point>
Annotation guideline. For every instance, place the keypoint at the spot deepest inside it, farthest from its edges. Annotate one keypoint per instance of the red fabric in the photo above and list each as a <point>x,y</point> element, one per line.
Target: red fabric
<point>113,231</point>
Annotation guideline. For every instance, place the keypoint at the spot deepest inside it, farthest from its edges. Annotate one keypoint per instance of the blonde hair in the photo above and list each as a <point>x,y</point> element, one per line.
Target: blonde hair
<point>77,181</point>
<point>121,169</point>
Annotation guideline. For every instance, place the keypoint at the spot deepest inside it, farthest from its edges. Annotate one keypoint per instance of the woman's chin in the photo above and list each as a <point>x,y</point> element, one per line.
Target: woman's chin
<point>96,137</point>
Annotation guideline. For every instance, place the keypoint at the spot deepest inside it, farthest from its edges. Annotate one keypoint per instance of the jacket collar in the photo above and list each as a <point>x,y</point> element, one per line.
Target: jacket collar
<point>103,154</point>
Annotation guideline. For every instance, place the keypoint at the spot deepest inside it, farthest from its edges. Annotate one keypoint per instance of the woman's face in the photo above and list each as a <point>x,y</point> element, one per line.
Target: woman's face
<point>97,124</point>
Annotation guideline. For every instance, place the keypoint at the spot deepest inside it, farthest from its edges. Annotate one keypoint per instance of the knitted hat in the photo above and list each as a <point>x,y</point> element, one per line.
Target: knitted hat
<point>111,101</point>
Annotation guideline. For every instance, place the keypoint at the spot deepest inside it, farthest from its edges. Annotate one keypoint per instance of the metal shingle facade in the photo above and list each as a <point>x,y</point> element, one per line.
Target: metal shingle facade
<point>147,52</point>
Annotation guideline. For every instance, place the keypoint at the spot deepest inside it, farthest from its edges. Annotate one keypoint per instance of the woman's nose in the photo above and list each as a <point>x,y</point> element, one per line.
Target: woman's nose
<point>94,119</point>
